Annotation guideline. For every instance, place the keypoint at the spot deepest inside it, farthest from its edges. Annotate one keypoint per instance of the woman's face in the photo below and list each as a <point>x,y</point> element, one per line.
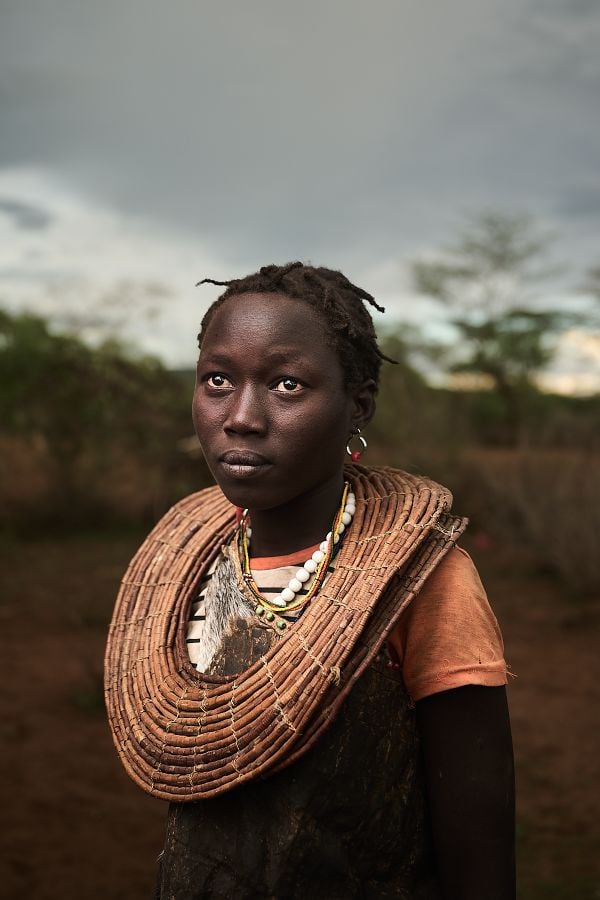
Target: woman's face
<point>270,406</point>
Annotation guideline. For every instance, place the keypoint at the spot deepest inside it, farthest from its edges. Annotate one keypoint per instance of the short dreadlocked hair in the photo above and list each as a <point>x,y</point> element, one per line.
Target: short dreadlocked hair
<point>341,305</point>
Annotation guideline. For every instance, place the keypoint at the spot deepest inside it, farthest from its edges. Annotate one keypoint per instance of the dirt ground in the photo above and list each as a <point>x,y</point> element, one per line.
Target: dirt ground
<point>75,827</point>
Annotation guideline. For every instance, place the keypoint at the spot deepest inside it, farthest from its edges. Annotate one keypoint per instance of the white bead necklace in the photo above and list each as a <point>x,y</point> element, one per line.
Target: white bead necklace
<point>314,565</point>
<point>308,569</point>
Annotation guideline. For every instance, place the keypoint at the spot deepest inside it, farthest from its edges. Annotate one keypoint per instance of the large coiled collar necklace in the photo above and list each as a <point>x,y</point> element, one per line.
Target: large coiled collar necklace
<point>183,735</point>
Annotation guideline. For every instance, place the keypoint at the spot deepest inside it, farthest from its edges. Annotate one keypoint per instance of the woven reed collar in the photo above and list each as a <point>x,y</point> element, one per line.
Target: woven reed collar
<point>182,735</point>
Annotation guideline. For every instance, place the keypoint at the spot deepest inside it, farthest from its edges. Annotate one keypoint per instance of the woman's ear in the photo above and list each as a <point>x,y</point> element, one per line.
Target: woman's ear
<point>364,403</point>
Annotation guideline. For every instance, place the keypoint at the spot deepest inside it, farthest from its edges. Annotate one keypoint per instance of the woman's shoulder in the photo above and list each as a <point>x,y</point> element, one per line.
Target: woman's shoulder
<point>191,523</point>
<point>388,483</point>
<point>199,508</point>
<point>449,635</point>
<point>456,567</point>
<point>207,500</point>
<point>416,480</point>
<point>454,583</point>
<point>199,500</point>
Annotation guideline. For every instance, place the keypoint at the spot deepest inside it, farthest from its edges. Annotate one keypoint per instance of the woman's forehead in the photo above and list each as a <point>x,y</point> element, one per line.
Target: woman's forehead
<point>267,320</point>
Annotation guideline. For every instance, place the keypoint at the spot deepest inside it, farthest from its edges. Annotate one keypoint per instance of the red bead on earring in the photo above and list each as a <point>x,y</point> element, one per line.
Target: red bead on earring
<point>355,455</point>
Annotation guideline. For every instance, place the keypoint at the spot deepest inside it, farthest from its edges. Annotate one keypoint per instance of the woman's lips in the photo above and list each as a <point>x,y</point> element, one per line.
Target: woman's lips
<point>243,463</point>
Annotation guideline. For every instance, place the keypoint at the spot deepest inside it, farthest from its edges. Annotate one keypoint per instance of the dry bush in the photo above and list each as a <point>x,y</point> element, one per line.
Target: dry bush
<point>548,498</point>
<point>25,474</point>
<point>115,487</point>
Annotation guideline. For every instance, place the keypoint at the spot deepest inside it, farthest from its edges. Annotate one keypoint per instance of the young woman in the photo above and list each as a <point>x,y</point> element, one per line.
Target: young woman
<point>301,660</point>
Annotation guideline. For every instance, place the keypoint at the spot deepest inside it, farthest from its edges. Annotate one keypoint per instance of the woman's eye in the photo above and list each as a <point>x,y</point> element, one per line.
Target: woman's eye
<point>287,386</point>
<point>218,381</point>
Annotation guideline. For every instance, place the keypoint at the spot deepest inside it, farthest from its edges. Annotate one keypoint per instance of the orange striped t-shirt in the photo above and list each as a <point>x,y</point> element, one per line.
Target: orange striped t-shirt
<point>446,638</point>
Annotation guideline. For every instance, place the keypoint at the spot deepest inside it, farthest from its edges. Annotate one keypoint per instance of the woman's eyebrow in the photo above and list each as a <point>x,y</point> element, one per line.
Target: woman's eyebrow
<point>284,355</point>
<point>217,359</point>
<point>277,355</point>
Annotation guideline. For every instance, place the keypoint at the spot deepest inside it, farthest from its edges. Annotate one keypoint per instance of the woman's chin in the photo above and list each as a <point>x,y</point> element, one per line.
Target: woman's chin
<point>244,493</point>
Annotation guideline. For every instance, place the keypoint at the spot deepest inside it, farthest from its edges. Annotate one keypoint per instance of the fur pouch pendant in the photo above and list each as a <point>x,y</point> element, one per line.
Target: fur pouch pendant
<point>225,605</point>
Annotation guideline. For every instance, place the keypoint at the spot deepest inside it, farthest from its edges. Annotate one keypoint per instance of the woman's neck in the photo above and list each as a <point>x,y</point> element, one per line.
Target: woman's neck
<point>301,523</point>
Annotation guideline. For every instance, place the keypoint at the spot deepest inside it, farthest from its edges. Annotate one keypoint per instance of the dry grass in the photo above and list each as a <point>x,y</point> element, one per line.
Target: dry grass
<point>548,499</point>
<point>115,486</point>
<point>70,804</point>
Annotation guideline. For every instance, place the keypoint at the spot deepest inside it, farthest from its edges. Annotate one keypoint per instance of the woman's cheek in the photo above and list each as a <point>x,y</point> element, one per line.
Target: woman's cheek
<point>200,418</point>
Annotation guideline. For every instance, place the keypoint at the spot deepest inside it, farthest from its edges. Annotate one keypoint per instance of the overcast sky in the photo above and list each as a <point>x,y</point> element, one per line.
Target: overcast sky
<point>144,145</point>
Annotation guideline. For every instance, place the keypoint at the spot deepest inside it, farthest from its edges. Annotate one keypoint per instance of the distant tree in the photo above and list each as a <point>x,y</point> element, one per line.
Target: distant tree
<point>411,424</point>
<point>491,279</point>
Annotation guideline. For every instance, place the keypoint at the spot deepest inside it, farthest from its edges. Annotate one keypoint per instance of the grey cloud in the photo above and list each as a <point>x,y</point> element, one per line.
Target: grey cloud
<point>26,216</point>
<point>556,44</point>
<point>568,9</point>
<point>580,201</point>
<point>40,275</point>
<point>327,130</point>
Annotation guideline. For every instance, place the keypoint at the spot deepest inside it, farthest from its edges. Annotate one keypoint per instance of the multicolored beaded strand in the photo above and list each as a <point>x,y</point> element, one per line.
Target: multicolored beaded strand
<point>316,566</point>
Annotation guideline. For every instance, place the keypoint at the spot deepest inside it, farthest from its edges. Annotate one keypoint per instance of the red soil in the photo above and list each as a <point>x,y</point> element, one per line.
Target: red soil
<point>76,827</point>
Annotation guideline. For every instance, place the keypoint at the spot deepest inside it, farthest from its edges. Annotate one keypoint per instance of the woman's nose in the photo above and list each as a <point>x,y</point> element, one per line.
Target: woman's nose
<point>245,414</point>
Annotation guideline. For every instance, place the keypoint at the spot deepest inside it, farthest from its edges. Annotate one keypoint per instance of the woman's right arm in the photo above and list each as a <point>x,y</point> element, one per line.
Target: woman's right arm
<point>469,770</point>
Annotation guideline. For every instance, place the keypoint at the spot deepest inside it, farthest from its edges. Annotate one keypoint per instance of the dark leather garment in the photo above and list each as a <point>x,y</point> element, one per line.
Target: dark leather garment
<point>347,820</point>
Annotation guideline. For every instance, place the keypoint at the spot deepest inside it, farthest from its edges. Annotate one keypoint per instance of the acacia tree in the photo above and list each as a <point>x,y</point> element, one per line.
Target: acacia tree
<point>492,278</point>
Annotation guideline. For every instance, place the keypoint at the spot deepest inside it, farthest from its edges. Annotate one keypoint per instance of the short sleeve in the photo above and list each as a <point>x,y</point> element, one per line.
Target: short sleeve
<point>449,637</point>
